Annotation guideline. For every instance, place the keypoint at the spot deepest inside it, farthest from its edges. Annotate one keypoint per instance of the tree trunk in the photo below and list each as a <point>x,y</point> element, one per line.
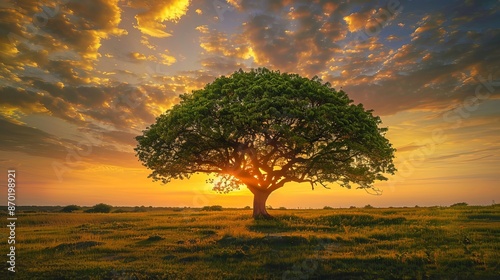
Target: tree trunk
<point>259,204</point>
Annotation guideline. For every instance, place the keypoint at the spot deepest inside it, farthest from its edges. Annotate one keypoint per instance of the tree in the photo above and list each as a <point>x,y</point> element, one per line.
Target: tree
<point>100,208</point>
<point>71,208</point>
<point>459,204</point>
<point>262,129</point>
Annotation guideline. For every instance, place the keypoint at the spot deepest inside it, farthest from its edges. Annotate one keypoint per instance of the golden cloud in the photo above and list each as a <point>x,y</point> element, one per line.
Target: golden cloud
<point>220,43</point>
<point>235,3</point>
<point>150,22</point>
<point>167,59</point>
<point>202,29</point>
<point>145,41</point>
<point>357,21</point>
<point>138,57</point>
<point>66,46</point>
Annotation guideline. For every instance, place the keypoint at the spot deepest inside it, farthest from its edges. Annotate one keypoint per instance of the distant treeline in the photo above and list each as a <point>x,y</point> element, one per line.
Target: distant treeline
<point>106,208</point>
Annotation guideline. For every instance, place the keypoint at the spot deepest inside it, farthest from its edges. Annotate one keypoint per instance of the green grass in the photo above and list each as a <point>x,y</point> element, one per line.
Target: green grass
<point>396,243</point>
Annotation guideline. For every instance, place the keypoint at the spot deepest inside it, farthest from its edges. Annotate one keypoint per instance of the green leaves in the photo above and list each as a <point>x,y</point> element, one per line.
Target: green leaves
<point>263,129</point>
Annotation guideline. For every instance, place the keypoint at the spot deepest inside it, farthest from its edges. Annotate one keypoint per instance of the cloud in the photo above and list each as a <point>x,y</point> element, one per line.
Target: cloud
<point>300,36</point>
<point>437,66</point>
<point>429,69</point>
<point>408,148</point>
<point>471,155</point>
<point>122,106</point>
<point>137,56</point>
<point>13,98</point>
<point>140,57</point>
<point>221,64</point>
<point>163,58</point>
<point>268,37</point>
<point>145,40</point>
<point>166,58</point>
<point>219,43</point>
<point>117,136</point>
<point>357,21</point>
<point>115,114</point>
<point>222,52</point>
<point>154,13</point>
<point>20,138</point>
<point>64,46</point>
<point>71,154</point>
<point>98,14</point>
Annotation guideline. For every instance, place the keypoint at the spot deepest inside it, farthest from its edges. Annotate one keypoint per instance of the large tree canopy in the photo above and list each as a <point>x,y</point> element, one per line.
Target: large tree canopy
<point>263,129</point>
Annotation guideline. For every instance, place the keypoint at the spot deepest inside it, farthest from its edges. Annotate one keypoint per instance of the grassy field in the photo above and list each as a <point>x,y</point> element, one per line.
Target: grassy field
<point>390,243</point>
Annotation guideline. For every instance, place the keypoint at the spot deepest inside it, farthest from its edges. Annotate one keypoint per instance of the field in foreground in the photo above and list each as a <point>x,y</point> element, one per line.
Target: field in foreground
<point>393,243</point>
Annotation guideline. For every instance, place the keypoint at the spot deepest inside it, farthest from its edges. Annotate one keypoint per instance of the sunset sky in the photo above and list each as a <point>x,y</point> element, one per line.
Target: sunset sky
<point>80,79</point>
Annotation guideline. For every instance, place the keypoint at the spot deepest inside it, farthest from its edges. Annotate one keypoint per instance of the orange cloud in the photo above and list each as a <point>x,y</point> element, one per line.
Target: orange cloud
<point>167,59</point>
<point>63,48</point>
<point>150,22</point>
<point>222,51</point>
<point>138,56</point>
<point>357,21</point>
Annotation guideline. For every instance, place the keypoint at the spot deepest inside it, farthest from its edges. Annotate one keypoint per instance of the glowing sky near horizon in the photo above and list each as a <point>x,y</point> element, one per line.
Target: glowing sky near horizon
<point>80,79</point>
